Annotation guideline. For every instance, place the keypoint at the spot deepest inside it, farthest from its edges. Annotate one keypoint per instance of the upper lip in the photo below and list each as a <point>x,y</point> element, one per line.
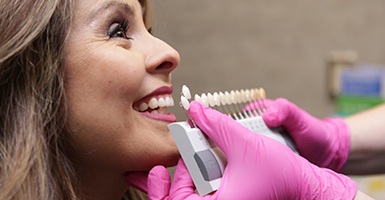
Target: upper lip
<point>159,91</point>
<point>156,92</point>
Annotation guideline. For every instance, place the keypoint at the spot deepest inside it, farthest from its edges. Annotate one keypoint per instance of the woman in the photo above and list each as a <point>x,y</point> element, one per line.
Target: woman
<point>76,77</point>
<point>84,93</point>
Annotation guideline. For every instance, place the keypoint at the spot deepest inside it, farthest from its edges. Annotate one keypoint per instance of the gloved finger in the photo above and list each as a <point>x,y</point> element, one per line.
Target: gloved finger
<point>159,183</point>
<point>156,183</point>
<point>137,180</point>
<point>182,187</point>
<point>282,112</point>
<point>223,130</point>
<point>258,104</point>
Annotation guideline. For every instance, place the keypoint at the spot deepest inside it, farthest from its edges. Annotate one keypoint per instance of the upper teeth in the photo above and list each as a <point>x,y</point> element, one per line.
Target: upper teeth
<point>155,103</point>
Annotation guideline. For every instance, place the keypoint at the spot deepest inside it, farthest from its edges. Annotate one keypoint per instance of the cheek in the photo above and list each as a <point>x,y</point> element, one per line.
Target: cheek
<point>101,87</point>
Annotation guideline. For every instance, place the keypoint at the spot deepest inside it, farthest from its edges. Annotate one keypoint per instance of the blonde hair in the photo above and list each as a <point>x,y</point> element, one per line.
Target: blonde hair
<point>34,162</point>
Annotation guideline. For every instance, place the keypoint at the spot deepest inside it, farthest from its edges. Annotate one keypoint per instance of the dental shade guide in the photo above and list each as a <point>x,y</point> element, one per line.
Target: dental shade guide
<point>204,160</point>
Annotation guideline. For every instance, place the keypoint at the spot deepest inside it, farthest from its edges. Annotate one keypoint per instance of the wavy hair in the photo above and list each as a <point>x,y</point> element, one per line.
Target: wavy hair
<point>34,161</point>
<point>33,158</point>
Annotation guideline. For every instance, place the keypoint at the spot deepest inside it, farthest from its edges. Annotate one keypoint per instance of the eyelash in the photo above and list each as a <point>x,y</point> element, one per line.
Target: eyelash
<point>119,30</point>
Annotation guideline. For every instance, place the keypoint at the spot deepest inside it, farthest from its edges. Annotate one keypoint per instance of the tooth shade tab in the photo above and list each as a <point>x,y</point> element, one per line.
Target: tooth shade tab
<point>186,92</point>
<point>243,96</point>
<point>247,96</point>
<point>222,98</point>
<point>217,101</point>
<point>257,95</point>
<point>233,97</point>
<point>228,98</point>
<point>262,93</point>
<point>197,98</point>
<point>185,103</point>
<point>235,103</point>
<point>211,99</point>
<point>238,96</point>
<point>205,100</point>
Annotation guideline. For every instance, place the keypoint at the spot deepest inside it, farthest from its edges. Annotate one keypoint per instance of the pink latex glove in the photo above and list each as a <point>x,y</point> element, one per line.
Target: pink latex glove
<point>258,168</point>
<point>156,183</point>
<point>325,143</point>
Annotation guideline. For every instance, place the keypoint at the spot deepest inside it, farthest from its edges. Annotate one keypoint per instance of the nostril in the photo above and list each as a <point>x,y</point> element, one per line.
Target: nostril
<point>165,65</point>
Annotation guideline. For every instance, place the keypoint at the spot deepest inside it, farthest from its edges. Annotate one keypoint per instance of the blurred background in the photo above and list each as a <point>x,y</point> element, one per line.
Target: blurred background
<point>325,56</point>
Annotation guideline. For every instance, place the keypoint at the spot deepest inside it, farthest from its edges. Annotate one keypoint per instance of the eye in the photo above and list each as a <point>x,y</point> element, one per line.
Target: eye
<point>119,30</point>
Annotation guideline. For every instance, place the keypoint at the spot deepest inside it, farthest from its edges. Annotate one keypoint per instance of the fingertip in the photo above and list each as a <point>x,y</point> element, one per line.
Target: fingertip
<point>271,116</point>
<point>181,168</point>
<point>159,172</point>
<point>137,180</point>
<point>195,108</point>
<point>159,182</point>
<point>183,185</point>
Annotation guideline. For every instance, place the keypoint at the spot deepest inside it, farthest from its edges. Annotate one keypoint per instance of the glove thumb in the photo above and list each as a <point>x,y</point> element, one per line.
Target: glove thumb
<point>156,183</point>
<point>223,130</point>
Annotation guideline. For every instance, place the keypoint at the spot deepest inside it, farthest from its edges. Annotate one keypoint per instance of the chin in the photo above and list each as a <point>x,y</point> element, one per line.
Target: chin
<point>167,161</point>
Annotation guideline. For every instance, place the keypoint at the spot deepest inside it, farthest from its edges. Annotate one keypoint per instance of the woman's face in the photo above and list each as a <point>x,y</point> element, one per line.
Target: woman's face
<point>114,68</point>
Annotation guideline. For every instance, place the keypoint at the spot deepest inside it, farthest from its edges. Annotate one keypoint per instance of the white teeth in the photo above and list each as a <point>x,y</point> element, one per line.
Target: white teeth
<point>143,107</point>
<point>154,103</point>
<point>162,102</point>
<point>168,101</point>
<point>186,92</point>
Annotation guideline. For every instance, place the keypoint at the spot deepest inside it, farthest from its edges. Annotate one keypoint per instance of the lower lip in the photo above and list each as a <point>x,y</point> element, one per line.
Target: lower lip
<point>160,117</point>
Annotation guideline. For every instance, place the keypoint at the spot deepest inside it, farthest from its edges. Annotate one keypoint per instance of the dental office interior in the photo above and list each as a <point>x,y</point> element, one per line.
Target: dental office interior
<point>328,57</point>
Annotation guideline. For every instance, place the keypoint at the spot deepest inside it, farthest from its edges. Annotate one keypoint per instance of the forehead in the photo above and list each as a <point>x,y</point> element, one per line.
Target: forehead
<point>89,9</point>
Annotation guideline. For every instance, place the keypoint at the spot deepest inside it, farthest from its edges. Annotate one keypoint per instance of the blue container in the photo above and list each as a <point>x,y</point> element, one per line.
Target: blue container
<point>363,80</point>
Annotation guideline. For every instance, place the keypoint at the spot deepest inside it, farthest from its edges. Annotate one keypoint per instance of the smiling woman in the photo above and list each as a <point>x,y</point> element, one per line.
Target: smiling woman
<point>84,91</point>
<point>74,80</point>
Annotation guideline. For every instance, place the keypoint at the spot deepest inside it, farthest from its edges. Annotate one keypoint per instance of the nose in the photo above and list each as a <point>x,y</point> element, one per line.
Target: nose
<point>161,57</point>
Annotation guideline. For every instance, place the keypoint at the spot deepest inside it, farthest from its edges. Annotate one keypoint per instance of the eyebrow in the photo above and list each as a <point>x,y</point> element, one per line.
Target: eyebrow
<point>112,4</point>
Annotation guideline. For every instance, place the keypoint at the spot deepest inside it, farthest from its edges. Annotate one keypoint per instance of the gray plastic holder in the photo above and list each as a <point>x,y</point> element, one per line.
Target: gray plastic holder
<point>204,160</point>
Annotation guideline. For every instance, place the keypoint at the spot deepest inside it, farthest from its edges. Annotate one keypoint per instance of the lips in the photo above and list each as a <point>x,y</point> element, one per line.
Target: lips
<point>155,105</point>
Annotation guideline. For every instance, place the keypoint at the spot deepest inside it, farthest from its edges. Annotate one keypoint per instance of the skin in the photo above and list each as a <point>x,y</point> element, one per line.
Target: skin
<point>108,72</point>
<point>367,150</point>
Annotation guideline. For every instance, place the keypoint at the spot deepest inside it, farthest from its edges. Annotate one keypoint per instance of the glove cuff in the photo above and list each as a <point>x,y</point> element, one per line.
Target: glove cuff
<point>325,183</point>
<point>341,146</point>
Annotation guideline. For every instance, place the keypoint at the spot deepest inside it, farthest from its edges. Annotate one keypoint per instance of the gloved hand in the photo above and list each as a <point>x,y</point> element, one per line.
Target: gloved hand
<point>325,143</point>
<point>156,183</point>
<point>258,167</point>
